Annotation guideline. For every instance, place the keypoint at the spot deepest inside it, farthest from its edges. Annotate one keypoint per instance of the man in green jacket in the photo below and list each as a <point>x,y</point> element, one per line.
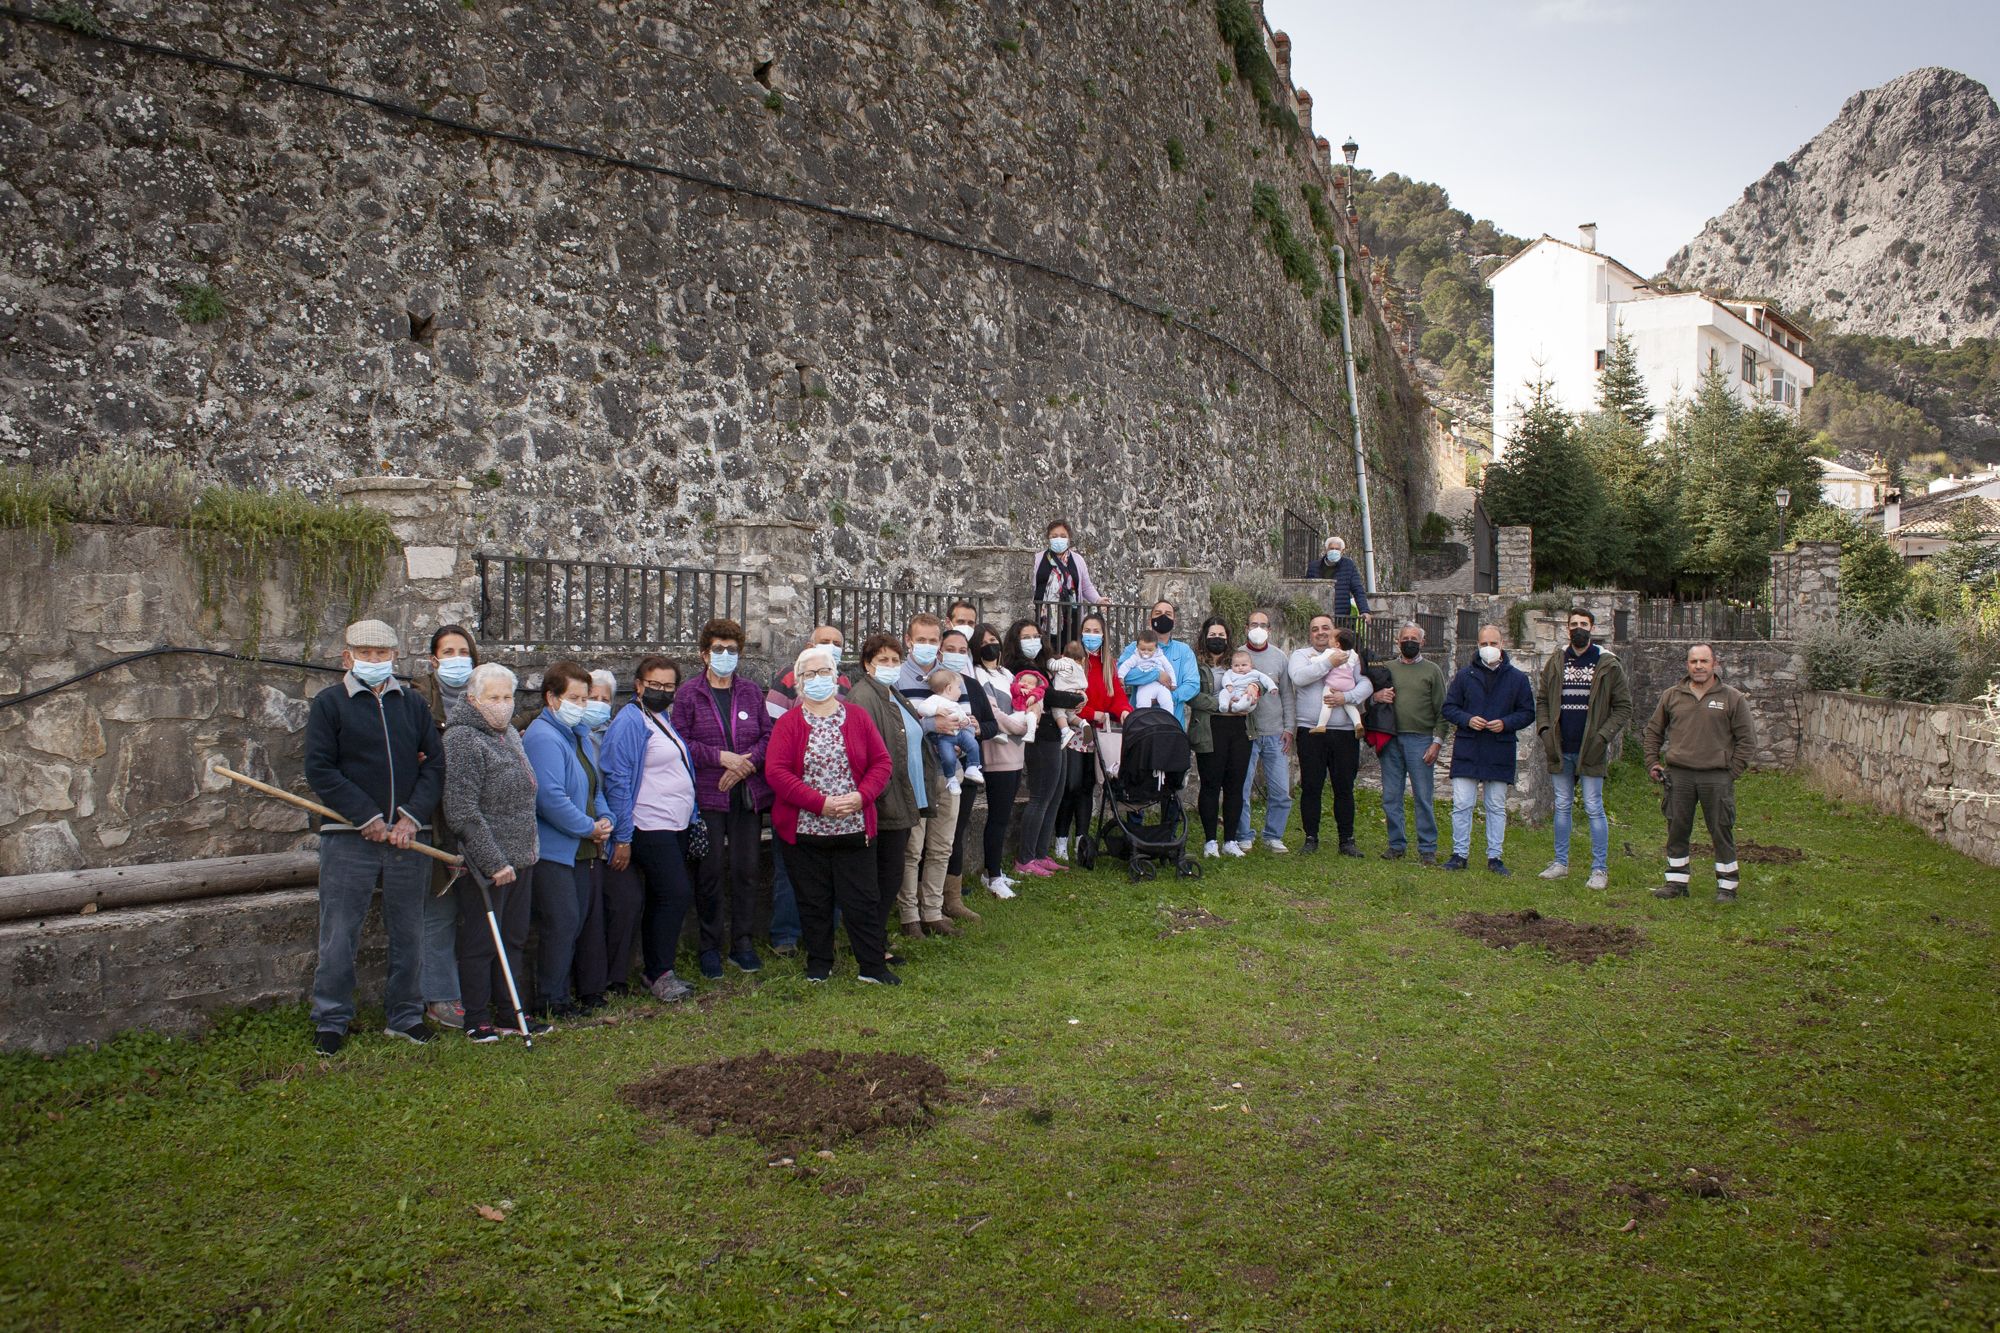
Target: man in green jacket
<point>1417,695</point>
<point>1581,713</point>
<point>1698,744</point>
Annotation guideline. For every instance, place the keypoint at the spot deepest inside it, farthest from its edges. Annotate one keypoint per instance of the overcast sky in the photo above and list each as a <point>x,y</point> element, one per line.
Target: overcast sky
<point>1645,117</point>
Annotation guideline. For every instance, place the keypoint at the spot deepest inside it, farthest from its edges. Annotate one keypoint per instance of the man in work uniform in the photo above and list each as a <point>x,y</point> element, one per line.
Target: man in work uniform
<point>1698,743</point>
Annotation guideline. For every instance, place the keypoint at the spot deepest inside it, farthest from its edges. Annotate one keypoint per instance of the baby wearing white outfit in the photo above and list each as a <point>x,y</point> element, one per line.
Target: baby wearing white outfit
<point>1066,673</point>
<point>958,754</point>
<point>1153,694</point>
<point>1242,684</point>
<point>1345,676</point>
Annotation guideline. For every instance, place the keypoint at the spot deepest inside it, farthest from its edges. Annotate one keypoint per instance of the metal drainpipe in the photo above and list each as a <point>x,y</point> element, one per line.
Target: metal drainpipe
<point>1354,411</point>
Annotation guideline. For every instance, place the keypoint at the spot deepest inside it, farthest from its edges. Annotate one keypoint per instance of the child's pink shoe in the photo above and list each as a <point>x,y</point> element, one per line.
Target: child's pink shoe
<point>1030,868</point>
<point>1051,865</point>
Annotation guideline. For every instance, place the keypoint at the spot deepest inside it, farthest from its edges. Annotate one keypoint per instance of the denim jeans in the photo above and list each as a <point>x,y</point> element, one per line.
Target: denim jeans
<point>956,752</point>
<point>349,868</point>
<point>1593,809</point>
<point>441,946</point>
<point>1403,757</point>
<point>785,928</point>
<point>561,902</point>
<point>1267,755</point>
<point>1465,795</point>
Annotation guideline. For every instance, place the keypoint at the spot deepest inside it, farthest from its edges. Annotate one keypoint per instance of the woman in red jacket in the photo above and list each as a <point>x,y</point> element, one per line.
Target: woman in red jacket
<point>826,764</point>
<point>1104,703</point>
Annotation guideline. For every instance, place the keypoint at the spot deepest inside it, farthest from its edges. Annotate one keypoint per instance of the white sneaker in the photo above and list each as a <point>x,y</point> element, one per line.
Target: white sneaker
<point>1000,886</point>
<point>1232,849</point>
<point>1557,870</point>
<point>1208,848</point>
<point>1598,880</point>
<point>953,785</point>
<point>1273,845</point>
<point>973,773</point>
<point>1062,849</point>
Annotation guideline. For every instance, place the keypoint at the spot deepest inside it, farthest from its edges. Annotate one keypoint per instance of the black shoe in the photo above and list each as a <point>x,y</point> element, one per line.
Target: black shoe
<point>879,976</point>
<point>1724,896</point>
<point>1498,867</point>
<point>618,990</point>
<point>591,1004</point>
<point>1392,854</point>
<point>536,1027</point>
<point>418,1032</point>
<point>1671,891</point>
<point>898,959</point>
<point>747,961</point>
<point>1456,863</point>
<point>482,1034</point>
<point>1427,858</point>
<point>1312,844</point>
<point>819,972</point>
<point>1350,848</point>
<point>558,1012</point>
<point>327,1042</point>
<point>711,965</point>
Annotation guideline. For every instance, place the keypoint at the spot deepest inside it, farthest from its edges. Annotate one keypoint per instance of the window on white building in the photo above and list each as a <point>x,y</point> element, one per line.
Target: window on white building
<point>1791,394</point>
<point>1600,358</point>
<point>1749,366</point>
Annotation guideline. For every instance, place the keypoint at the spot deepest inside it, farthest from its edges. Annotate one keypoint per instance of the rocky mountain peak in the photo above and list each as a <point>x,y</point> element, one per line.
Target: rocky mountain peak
<point>1888,222</point>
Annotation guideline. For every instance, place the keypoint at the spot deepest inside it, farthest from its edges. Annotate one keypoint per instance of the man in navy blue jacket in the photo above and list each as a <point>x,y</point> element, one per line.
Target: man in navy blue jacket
<point>1488,701</point>
<point>373,753</point>
<point>1349,594</point>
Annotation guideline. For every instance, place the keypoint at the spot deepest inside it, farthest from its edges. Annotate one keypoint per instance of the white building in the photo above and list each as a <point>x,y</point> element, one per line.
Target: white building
<point>1846,487</point>
<point>1557,307</point>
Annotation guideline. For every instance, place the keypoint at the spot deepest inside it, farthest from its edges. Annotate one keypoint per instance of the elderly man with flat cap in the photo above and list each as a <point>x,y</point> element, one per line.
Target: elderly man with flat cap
<point>373,753</point>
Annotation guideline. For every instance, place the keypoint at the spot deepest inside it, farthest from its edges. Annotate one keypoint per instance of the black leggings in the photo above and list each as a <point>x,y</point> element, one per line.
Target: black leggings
<point>1080,789</point>
<point>1222,772</point>
<point>657,854</point>
<point>892,848</point>
<point>1327,754</point>
<point>726,891</point>
<point>1000,789</point>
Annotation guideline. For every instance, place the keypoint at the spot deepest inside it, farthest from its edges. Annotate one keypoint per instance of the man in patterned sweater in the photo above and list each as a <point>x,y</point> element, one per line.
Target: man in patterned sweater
<point>1581,713</point>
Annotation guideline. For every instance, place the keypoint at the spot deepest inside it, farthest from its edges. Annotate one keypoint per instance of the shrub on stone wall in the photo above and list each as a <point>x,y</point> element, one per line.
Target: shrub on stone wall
<point>1234,602</point>
<point>1913,660</point>
<point>1835,652</point>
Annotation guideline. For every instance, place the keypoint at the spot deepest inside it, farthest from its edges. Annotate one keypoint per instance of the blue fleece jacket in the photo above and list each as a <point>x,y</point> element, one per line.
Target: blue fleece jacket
<point>564,815</point>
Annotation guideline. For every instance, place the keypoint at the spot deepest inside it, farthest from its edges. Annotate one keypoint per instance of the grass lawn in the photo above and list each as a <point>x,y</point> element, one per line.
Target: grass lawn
<point>1323,1110</point>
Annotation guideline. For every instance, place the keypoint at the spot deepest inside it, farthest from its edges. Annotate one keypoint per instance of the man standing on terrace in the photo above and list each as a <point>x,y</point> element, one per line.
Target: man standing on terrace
<point>1698,744</point>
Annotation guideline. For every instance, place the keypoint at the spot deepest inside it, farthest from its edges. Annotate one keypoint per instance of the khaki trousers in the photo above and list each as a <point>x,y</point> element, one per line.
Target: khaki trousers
<point>922,897</point>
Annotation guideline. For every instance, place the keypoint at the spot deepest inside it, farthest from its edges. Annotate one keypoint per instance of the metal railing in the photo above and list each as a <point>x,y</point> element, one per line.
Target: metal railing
<point>530,600</point>
<point>1668,618</point>
<point>1300,545</point>
<point>1122,621</point>
<point>860,612</point>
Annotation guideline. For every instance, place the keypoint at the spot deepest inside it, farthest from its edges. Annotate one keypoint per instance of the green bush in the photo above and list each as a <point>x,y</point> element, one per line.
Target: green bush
<point>1836,653</point>
<point>200,303</point>
<point>1435,529</point>
<point>1917,661</point>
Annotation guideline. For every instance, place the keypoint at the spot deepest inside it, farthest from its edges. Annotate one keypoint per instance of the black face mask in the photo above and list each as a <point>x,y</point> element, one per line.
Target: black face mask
<point>1411,648</point>
<point>1218,646</point>
<point>989,652</point>
<point>1579,638</point>
<point>1163,625</point>
<point>656,699</point>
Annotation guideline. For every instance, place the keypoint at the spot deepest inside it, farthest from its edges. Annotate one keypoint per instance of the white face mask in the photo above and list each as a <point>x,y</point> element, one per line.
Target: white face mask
<point>1258,636</point>
<point>1490,654</point>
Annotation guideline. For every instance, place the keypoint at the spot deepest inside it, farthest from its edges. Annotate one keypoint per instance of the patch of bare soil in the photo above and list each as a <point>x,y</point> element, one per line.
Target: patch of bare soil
<point>1706,1182</point>
<point>818,1097</point>
<point>1181,920</point>
<point>1639,1198</point>
<point>1569,941</point>
<point>1754,852</point>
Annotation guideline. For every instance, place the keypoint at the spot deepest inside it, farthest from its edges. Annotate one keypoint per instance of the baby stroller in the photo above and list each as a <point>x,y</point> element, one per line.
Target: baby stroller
<point>1140,769</point>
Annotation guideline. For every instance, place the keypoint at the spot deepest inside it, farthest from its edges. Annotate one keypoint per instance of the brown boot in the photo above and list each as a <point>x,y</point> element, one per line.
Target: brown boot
<point>940,927</point>
<point>954,899</point>
<point>913,930</point>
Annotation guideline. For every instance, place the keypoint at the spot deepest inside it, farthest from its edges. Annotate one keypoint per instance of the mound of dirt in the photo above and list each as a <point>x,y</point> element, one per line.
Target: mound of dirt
<point>1181,920</point>
<point>1569,941</point>
<point>1754,852</point>
<point>818,1097</point>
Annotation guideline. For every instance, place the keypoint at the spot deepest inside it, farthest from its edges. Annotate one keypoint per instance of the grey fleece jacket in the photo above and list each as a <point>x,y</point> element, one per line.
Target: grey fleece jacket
<point>489,792</point>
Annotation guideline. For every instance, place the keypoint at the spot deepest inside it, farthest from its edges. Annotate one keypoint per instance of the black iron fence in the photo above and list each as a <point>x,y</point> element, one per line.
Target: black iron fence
<point>529,600</point>
<point>1301,545</point>
<point>1122,621</point>
<point>859,612</point>
<point>1669,618</point>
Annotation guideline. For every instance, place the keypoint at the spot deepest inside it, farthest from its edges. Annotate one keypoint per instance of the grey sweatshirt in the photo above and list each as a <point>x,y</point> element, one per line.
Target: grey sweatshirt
<point>489,792</point>
<point>1274,707</point>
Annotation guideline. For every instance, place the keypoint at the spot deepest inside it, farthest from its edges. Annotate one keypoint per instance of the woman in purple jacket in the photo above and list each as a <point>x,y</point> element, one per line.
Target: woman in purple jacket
<point>723,719</point>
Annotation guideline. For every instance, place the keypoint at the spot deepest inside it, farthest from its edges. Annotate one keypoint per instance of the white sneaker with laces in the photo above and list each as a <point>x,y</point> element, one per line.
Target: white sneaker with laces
<point>1062,849</point>
<point>1598,880</point>
<point>1208,848</point>
<point>1232,849</point>
<point>1273,845</point>
<point>1557,870</point>
<point>954,786</point>
<point>973,773</point>
<point>1000,886</point>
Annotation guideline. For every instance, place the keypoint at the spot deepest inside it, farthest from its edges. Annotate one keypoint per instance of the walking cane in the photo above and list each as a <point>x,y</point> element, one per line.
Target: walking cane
<point>318,809</point>
<point>500,947</point>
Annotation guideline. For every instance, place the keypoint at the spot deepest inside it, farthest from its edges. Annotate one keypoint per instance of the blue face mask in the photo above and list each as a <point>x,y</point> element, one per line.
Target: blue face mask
<point>959,662</point>
<point>597,712</point>
<point>1031,648</point>
<point>924,654</point>
<point>722,662</point>
<point>372,674</point>
<point>886,675</point>
<point>569,712</point>
<point>454,671</point>
<point>1092,642</point>
<point>819,689</point>
<point>1058,544</point>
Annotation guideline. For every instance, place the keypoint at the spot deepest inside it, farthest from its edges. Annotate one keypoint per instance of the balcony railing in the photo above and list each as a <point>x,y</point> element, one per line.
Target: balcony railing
<point>1063,621</point>
<point>532,601</point>
<point>859,612</point>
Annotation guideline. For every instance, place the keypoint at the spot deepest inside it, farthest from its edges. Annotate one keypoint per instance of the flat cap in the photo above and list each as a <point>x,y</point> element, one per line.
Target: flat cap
<point>371,634</point>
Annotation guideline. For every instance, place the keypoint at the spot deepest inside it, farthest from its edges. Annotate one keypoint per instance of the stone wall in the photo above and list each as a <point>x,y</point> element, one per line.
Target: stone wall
<point>1926,763</point>
<point>627,364</point>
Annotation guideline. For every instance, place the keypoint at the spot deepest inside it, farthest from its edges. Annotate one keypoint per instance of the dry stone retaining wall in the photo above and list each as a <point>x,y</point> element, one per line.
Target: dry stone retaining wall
<point>1900,757</point>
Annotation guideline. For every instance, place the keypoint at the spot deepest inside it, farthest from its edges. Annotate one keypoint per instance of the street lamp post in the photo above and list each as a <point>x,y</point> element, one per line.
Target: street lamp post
<point>1784,498</point>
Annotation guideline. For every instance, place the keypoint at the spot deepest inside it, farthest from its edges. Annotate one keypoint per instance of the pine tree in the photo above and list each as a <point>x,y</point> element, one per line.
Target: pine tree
<point>1732,461</point>
<point>1966,558</point>
<point>1621,390</point>
<point>1545,481</point>
<point>1642,499</point>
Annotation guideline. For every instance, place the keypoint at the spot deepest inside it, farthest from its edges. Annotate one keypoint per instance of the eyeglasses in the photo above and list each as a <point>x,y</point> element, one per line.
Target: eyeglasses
<point>817,673</point>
